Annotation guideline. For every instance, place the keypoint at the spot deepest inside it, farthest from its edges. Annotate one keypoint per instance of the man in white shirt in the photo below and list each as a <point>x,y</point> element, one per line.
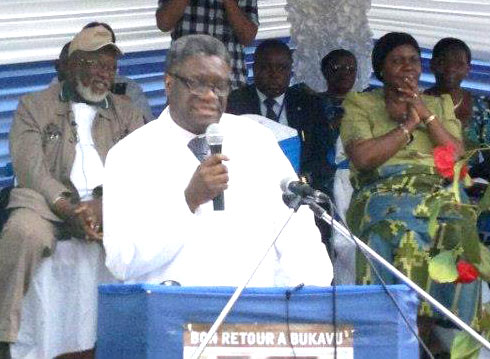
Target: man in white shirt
<point>159,222</point>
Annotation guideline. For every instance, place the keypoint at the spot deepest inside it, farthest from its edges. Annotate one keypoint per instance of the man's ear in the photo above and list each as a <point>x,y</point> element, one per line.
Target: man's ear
<point>168,83</point>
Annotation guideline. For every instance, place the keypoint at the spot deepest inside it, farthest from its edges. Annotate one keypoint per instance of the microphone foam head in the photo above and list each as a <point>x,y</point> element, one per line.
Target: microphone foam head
<point>285,184</point>
<point>214,136</point>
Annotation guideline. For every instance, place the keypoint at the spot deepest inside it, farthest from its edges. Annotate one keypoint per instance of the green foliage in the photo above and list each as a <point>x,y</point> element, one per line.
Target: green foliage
<point>442,267</point>
<point>455,188</point>
<point>465,347</point>
<point>484,265</point>
<point>485,319</point>
<point>433,223</point>
<point>470,240</point>
<point>484,204</point>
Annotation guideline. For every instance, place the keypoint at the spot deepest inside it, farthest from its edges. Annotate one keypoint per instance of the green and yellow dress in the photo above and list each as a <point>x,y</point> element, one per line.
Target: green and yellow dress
<point>390,206</point>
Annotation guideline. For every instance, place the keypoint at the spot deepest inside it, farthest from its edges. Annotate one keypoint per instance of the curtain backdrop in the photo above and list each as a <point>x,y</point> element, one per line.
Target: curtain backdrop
<point>318,27</point>
<point>34,30</point>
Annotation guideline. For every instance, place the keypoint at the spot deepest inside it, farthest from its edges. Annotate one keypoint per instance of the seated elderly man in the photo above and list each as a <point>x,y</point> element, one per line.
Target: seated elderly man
<point>123,85</point>
<point>58,142</point>
<point>180,235</point>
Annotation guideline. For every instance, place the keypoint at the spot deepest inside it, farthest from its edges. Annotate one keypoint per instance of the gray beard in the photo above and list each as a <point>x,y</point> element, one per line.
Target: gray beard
<point>87,94</point>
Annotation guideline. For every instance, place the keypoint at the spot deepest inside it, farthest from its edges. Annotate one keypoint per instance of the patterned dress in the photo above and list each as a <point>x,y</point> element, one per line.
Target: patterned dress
<point>390,207</point>
<point>477,134</point>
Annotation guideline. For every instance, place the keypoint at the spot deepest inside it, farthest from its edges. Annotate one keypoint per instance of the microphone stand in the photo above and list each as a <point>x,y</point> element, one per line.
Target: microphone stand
<point>322,214</point>
<point>295,203</point>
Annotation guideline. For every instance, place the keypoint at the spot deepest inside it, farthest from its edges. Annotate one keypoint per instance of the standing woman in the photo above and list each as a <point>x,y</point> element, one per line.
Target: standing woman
<point>389,135</point>
<point>450,64</point>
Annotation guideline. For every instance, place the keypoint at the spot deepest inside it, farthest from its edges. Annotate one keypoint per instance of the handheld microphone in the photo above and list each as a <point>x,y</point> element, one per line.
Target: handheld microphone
<point>293,186</point>
<point>214,138</point>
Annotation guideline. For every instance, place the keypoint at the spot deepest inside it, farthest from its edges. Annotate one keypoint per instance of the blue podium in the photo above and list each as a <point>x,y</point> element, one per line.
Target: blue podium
<point>149,321</point>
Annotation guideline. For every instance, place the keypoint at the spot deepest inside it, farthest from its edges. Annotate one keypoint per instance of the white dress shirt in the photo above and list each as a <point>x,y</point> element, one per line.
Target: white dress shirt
<point>279,107</point>
<point>87,171</point>
<point>151,235</point>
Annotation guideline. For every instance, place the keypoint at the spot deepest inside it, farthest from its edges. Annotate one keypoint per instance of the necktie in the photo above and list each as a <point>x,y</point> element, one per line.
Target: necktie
<point>269,104</point>
<point>199,147</point>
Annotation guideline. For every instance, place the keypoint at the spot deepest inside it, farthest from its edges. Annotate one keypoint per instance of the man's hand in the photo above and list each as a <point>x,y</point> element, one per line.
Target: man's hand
<point>84,219</point>
<point>209,180</point>
<point>89,217</point>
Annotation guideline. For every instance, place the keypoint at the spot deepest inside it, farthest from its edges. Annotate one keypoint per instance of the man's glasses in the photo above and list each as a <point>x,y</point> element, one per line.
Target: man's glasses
<point>200,88</point>
<point>97,65</point>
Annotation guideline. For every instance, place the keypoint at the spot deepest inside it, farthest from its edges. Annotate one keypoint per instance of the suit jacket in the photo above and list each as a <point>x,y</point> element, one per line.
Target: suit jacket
<point>305,112</point>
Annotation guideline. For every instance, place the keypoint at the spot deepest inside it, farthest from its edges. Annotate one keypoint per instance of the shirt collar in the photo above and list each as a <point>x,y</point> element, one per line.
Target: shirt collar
<point>67,94</point>
<point>279,99</point>
<point>180,132</point>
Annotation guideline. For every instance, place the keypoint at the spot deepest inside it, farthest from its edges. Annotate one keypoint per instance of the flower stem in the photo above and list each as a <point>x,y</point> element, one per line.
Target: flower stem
<point>457,294</point>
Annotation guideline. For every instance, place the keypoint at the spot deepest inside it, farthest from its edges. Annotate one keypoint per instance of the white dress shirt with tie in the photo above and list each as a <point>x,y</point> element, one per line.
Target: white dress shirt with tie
<point>150,234</point>
<point>279,107</point>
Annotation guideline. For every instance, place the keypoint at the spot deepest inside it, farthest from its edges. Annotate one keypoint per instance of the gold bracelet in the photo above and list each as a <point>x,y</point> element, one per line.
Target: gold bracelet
<point>429,119</point>
<point>406,132</point>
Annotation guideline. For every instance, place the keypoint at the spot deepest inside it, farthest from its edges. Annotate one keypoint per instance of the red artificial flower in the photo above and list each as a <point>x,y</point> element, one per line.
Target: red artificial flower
<point>467,272</point>
<point>444,160</point>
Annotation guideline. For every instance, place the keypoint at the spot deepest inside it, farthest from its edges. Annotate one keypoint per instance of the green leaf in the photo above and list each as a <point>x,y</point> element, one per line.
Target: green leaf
<point>433,225</point>
<point>442,268</point>
<point>470,240</point>
<point>484,204</point>
<point>485,318</point>
<point>484,265</point>
<point>465,347</point>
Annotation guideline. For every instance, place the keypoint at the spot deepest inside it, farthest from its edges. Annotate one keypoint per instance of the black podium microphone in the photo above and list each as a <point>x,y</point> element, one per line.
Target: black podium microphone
<point>293,186</point>
<point>214,138</point>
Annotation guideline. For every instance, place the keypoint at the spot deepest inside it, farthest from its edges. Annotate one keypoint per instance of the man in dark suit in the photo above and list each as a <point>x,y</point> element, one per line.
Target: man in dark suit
<point>295,106</point>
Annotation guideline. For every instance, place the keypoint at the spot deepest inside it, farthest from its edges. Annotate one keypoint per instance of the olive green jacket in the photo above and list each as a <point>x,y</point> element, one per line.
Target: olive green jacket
<point>43,139</point>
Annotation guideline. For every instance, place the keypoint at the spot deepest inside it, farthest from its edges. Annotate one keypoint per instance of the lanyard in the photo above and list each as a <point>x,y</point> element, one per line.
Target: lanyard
<point>280,111</point>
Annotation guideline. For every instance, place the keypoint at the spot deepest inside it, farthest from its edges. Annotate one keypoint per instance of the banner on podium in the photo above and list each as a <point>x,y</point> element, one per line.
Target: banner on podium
<point>145,321</point>
<point>271,341</point>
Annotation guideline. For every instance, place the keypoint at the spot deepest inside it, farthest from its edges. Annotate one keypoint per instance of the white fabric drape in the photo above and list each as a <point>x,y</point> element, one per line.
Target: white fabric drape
<point>62,298</point>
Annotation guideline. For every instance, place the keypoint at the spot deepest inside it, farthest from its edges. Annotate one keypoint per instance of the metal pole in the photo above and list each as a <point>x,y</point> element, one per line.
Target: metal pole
<point>227,308</point>
<point>347,234</point>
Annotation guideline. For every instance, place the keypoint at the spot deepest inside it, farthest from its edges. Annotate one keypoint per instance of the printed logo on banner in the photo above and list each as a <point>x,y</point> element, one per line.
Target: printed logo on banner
<point>271,341</point>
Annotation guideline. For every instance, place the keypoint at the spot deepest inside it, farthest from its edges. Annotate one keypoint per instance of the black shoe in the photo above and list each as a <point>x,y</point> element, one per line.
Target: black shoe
<point>5,350</point>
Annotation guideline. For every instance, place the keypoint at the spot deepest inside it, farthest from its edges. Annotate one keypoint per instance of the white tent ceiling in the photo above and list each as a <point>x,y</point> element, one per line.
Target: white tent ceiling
<point>33,30</point>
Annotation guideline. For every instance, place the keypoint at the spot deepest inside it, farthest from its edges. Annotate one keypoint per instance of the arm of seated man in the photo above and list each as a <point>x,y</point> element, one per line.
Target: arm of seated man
<point>83,218</point>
